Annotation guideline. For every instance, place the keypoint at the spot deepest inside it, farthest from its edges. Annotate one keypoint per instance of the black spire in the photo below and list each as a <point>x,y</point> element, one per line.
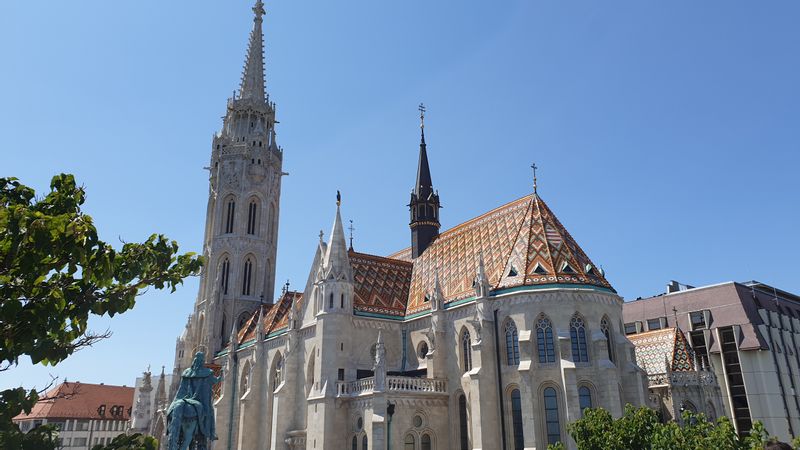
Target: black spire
<point>424,205</point>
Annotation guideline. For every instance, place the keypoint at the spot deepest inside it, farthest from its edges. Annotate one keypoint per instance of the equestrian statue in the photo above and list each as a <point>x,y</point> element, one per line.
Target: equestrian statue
<point>190,417</point>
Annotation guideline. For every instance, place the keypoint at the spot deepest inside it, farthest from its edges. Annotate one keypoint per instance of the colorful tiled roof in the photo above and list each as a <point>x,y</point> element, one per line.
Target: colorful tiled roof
<point>656,349</point>
<point>83,401</point>
<point>381,284</point>
<point>522,244</point>
<point>275,316</point>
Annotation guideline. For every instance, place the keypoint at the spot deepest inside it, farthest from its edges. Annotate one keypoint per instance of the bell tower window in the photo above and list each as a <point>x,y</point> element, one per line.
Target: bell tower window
<point>229,216</point>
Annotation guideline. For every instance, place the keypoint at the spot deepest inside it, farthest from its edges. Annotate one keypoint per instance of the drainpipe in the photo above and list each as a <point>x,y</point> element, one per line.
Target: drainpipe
<point>499,383</point>
<point>390,413</point>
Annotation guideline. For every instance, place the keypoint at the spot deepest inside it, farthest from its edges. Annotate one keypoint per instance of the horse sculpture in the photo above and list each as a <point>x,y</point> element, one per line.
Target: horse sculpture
<point>190,417</point>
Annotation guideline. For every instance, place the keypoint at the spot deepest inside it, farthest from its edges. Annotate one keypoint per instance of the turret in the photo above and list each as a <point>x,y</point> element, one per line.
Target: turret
<point>424,205</point>
<point>335,275</point>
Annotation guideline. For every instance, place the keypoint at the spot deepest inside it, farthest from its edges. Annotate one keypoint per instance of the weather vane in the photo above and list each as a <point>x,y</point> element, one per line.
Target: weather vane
<point>534,167</point>
<point>421,115</point>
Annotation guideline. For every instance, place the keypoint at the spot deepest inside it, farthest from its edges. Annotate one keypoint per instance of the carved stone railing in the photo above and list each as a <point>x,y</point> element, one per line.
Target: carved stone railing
<point>703,377</point>
<point>393,384</point>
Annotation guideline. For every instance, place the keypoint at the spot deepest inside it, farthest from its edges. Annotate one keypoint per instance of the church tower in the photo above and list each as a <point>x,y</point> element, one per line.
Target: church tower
<point>424,205</point>
<point>241,229</point>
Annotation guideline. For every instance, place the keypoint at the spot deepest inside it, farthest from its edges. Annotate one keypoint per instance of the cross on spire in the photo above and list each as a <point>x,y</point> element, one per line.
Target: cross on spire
<point>351,228</point>
<point>534,167</point>
<point>421,115</point>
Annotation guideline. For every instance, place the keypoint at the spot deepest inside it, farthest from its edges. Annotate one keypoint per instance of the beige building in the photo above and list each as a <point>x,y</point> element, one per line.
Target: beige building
<point>746,334</point>
<point>494,334</point>
<point>85,414</point>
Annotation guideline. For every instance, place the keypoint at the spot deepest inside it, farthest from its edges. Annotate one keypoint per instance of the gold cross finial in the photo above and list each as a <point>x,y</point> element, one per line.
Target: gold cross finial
<point>534,167</point>
<point>421,115</point>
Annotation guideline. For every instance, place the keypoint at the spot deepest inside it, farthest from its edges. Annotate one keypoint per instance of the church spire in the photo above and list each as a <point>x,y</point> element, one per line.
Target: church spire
<point>253,76</point>
<point>424,205</point>
<point>336,261</point>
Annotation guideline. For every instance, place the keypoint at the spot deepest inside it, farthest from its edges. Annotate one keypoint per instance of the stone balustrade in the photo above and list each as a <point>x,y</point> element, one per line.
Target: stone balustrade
<point>703,377</point>
<point>394,384</point>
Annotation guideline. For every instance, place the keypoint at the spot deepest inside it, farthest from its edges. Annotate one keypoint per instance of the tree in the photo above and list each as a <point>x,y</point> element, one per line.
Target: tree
<point>55,272</point>
<point>640,428</point>
<point>136,441</point>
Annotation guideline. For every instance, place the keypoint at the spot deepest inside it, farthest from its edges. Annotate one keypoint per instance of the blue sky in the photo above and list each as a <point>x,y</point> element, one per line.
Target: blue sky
<point>666,132</point>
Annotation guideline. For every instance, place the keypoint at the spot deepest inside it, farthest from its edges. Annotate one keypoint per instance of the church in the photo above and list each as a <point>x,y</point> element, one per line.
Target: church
<point>494,334</point>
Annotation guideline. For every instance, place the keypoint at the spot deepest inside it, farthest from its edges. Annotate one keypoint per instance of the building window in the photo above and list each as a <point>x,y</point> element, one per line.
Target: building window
<point>247,276</point>
<point>355,443</point>
<point>606,329</point>
<point>656,324</point>
<point>697,319</point>
<point>364,443</point>
<point>577,333</point>
<point>226,270</point>
<point>544,340</point>
<point>552,423</point>
<point>630,328</point>
<point>342,301</point>
<point>423,350</point>
<point>466,351</point>
<point>516,420</point>
<point>252,210</point>
<point>512,343</point>
<point>463,425</point>
<point>330,301</point>
<point>426,442</point>
<point>584,398</point>
<point>230,216</point>
<point>409,443</point>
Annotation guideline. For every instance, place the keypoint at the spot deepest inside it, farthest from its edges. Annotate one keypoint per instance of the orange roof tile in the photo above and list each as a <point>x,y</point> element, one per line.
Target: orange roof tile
<point>381,284</point>
<point>82,401</point>
<point>522,243</point>
<point>655,349</point>
<point>275,316</point>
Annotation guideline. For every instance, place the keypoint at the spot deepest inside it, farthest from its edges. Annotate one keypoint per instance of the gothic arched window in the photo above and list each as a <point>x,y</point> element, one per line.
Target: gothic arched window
<point>463,424</point>
<point>252,211</point>
<point>466,351</point>
<point>426,443</point>
<point>553,425</point>
<point>364,443</point>
<point>230,215</point>
<point>355,443</point>
<point>247,276</point>
<point>512,343</point>
<point>577,334</point>
<point>544,340</point>
<point>277,377</point>
<point>226,270</point>
<point>584,398</point>
<point>604,326</point>
<point>516,420</point>
<point>330,301</point>
<point>410,442</point>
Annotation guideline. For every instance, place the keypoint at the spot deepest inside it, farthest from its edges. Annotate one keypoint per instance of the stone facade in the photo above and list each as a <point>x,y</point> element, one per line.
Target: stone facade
<point>493,334</point>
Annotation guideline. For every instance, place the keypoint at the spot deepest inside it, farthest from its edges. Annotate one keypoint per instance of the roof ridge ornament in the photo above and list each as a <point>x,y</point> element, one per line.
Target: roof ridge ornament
<point>534,167</point>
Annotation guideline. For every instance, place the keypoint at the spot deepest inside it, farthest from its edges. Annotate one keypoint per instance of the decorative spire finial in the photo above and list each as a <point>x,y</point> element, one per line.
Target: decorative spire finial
<point>351,228</point>
<point>252,85</point>
<point>534,167</point>
<point>422,122</point>
<point>258,9</point>
<point>338,198</point>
